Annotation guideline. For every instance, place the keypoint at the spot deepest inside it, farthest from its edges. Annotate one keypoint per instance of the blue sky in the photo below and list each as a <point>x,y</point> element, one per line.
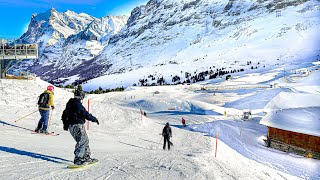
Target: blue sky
<point>15,14</point>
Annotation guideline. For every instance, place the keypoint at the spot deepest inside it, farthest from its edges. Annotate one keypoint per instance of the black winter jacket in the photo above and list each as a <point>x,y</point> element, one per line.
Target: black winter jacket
<point>75,113</point>
<point>167,131</point>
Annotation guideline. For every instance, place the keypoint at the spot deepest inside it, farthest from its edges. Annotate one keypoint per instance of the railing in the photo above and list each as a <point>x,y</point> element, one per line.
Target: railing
<point>15,52</point>
<point>18,51</point>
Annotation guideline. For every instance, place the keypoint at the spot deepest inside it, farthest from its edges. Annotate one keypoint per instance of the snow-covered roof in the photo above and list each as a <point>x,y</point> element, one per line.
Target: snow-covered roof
<point>288,100</point>
<point>295,112</point>
<point>300,120</point>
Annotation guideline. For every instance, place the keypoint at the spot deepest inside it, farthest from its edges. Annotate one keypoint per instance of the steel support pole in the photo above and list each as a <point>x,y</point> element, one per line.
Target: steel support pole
<point>2,68</point>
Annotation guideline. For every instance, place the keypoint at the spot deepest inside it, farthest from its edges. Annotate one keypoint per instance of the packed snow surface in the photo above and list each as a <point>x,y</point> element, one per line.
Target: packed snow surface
<point>128,145</point>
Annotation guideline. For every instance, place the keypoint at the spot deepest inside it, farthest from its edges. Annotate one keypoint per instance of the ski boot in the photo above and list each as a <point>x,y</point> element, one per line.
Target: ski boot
<point>90,160</point>
<point>44,132</point>
<point>79,161</point>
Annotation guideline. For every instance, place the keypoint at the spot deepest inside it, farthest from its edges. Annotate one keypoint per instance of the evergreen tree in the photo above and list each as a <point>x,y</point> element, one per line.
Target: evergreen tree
<point>79,87</point>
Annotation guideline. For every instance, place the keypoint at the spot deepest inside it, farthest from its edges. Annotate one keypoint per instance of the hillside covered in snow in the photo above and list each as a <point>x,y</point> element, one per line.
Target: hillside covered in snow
<point>167,38</point>
<point>171,38</point>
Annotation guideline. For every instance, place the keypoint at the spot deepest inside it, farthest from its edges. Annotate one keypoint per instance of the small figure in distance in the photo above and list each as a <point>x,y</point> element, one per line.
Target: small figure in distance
<point>167,134</point>
<point>183,121</point>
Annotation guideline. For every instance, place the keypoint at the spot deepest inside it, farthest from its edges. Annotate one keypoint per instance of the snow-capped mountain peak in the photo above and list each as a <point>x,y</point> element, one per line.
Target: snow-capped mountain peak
<point>169,37</point>
<point>67,39</point>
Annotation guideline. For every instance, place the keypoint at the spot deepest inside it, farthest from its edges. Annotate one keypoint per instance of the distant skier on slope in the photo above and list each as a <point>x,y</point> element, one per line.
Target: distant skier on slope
<point>183,121</point>
<point>45,101</point>
<point>166,133</point>
<point>74,117</point>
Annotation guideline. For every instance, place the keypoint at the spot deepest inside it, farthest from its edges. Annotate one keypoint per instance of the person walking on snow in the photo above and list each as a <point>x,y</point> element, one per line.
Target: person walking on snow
<point>183,121</point>
<point>45,102</point>
<point>166,133</point>
<point>74,117</point>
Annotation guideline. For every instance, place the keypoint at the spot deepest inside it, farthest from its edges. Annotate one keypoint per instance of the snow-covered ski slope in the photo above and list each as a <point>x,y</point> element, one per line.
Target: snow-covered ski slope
<point>129,147</point>
<point>210,36</point>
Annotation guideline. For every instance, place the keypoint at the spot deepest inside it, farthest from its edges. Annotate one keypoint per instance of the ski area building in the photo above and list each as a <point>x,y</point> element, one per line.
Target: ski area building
<point>293,122</point>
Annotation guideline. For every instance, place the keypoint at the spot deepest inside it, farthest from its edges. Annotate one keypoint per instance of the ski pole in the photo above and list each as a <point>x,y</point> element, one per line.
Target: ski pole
<point>25,116</point>
<point>50,118</point>
<point>171,144</point>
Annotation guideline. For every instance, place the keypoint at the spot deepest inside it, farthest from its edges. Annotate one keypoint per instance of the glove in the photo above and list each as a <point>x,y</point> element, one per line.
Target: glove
<point>52,107</point>
<point>65,127</point>
<point>95,120</point>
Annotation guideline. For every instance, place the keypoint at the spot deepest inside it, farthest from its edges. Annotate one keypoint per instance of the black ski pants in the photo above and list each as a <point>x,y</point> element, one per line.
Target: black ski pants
<point>166,140</point>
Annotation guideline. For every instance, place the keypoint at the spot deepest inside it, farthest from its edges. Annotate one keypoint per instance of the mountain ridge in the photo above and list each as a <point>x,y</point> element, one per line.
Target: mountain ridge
<point>66,40</point>
<point>196,34</point>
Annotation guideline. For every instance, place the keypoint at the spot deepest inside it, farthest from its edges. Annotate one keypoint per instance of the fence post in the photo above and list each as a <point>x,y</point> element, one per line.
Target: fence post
<point>141,114</point>
<point>216,145</point>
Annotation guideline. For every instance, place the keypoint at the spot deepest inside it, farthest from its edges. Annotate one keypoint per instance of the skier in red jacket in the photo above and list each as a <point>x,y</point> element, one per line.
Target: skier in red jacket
<point>183,122</point>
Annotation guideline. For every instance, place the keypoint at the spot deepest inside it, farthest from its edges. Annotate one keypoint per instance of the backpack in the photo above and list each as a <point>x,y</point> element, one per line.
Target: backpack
<point>166,131</point>
<point>43,100</point>
<point>68,116</point>
<point>65,120</point>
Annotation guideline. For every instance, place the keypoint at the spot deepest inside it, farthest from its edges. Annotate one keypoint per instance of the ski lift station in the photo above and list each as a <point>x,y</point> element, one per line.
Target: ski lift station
<point>11,53</point>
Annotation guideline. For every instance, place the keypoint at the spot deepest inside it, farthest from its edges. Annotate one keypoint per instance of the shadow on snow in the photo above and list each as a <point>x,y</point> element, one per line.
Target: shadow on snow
<point>33,155</point>
<point>149,141</point>
<point>12,125</point>
<point>133,145</point>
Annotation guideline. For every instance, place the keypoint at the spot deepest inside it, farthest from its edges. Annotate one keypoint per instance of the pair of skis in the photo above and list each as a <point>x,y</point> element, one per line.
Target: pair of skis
<point>48,134</point>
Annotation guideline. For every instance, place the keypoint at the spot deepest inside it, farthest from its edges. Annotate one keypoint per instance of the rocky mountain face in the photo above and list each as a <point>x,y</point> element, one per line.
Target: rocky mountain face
<point>67,40</point>
<point>181,32</point>
<point>179,35</point>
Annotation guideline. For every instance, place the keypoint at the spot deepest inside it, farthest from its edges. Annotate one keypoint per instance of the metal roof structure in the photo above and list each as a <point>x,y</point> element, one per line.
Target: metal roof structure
<point>12,53</point>
<point>18,51</point>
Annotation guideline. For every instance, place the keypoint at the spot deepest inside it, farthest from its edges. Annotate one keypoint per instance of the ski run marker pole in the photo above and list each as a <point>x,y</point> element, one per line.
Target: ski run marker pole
<point>141,114</point>
<point>25,116</point>
<point>216,145</point>
<point>88,111</point>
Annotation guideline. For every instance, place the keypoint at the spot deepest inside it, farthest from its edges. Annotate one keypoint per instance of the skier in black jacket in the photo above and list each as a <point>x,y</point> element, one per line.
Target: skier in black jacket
<point>166,133</point>
<point>74,117</point>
